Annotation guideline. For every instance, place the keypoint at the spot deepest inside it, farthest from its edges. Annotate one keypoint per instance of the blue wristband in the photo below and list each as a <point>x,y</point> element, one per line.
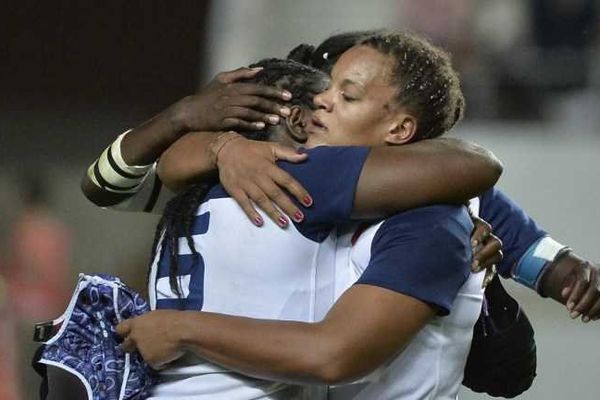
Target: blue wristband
<point>529,268</point>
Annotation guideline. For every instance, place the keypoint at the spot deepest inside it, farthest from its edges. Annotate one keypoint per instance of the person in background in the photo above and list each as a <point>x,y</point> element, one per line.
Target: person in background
<point>38,270</point>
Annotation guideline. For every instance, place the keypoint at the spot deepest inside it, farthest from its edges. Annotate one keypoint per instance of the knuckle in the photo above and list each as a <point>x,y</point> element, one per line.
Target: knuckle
<point>261,199</point>
<point>276,194</point>
<point>287,181</point>
<point>497,240</point>
<point>254,101</point>
<point>245,112</point>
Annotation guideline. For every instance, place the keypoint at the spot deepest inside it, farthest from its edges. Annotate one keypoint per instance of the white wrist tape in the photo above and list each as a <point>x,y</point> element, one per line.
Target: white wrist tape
<point>529,268</point>
<point>115,151</point>
<point>112,173</point>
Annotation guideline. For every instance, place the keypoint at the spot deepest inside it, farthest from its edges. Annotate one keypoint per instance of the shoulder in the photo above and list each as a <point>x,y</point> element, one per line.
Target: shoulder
<point>328,158</point>
<point>435,221</point>
<point>424,253</point>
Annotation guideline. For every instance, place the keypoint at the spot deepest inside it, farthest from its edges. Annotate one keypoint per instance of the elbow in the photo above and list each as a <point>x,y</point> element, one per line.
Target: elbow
<point>91,192</point>
<point>99,196</point>
<point>496,169</point>
<point>334,363</point>
<point>169,169</point>
<point>488,164</point>
<point>333,373</point>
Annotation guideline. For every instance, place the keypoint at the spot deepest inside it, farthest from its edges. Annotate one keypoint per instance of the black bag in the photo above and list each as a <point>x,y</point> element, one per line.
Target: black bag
<point>502,361</point>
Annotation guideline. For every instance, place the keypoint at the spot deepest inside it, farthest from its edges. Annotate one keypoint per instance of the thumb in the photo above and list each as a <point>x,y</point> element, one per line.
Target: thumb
<point>124,328</point>
<point>287,154</point>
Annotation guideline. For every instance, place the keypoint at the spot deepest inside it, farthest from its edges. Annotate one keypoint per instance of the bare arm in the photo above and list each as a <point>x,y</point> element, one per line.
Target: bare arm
<point>224,103</point>
<point>367,326</point>
<point>187,161</point>
<point>142,145</point>
<point>442,170</point>
<point>394,178</point>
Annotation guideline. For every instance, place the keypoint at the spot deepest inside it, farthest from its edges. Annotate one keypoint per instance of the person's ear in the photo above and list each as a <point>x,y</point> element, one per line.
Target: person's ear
<point>402,130</point>
<point>296,125</point>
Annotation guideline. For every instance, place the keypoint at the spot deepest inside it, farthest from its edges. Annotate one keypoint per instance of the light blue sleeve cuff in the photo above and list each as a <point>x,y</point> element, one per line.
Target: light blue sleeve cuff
<point>529,268</point>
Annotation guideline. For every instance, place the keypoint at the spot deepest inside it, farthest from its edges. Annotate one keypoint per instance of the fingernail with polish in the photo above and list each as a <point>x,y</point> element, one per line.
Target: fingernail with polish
<point>307,201</point>
<point>258,221</point>
<point>260,125</point>
<point>285,111</point>
<point>586,319</point>
<point>282,221</point>
<point>274,119</point>
<point>286,95</point>
<point>575,314</point>
<point>298,216</point>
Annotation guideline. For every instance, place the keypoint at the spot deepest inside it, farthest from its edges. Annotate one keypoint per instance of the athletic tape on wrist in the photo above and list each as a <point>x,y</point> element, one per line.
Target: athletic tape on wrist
<point>97,179</point>
<point>111,173</point>
<point>530,267</point>
<point>119,163</point>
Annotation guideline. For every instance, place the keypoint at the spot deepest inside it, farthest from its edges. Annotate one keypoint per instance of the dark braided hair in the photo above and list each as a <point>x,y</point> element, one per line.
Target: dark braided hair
<point>178,217</point>
<point>428,85</point>
<point>301,80</point>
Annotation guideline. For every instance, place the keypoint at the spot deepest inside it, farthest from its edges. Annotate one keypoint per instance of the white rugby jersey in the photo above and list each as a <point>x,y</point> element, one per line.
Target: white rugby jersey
<point>432,365</point>
<point>264,272</point>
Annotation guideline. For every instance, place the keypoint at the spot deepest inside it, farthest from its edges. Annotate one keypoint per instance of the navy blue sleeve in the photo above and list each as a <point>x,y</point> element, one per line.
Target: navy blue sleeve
<point>330,176</point>
<point>424,253</point>
<point>517,230</point>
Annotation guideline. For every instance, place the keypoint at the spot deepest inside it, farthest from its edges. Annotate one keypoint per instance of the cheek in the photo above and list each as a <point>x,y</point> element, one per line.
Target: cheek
<point>365,123</point>
<point>353,122</point>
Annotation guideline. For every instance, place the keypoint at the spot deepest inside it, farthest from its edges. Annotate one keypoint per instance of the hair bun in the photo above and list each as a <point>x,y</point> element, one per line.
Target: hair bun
<point>302,53</point>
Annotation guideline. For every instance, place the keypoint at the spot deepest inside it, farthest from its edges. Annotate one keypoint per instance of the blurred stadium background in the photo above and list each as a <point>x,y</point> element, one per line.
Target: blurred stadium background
<point>73,75</point>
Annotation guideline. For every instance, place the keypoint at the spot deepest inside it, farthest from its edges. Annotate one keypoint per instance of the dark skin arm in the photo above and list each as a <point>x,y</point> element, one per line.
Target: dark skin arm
<point>394,178</point>
<point>433,171</point>
<point>142,145</point>
<point>224,103</point>
<point>366,327</point>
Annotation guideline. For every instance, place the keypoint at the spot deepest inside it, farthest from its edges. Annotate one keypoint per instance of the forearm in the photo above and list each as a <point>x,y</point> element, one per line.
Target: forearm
<point>140,146</point>
<point>433,171</point>
<point>187,161</point>
<point>146,143</point>
<point>366,327</point>
<point>278,350</point>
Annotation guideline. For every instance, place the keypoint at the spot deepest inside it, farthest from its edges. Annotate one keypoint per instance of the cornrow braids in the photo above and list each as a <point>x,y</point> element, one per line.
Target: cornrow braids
<point>301,80</point>
<point>178,217</point>
<point>427,83</point>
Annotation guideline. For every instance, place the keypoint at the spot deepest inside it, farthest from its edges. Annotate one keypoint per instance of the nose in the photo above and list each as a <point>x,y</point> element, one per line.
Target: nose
<point>323,100</point>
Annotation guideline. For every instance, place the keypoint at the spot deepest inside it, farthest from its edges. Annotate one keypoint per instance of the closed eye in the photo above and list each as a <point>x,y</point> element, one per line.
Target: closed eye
<point>348,98</point>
